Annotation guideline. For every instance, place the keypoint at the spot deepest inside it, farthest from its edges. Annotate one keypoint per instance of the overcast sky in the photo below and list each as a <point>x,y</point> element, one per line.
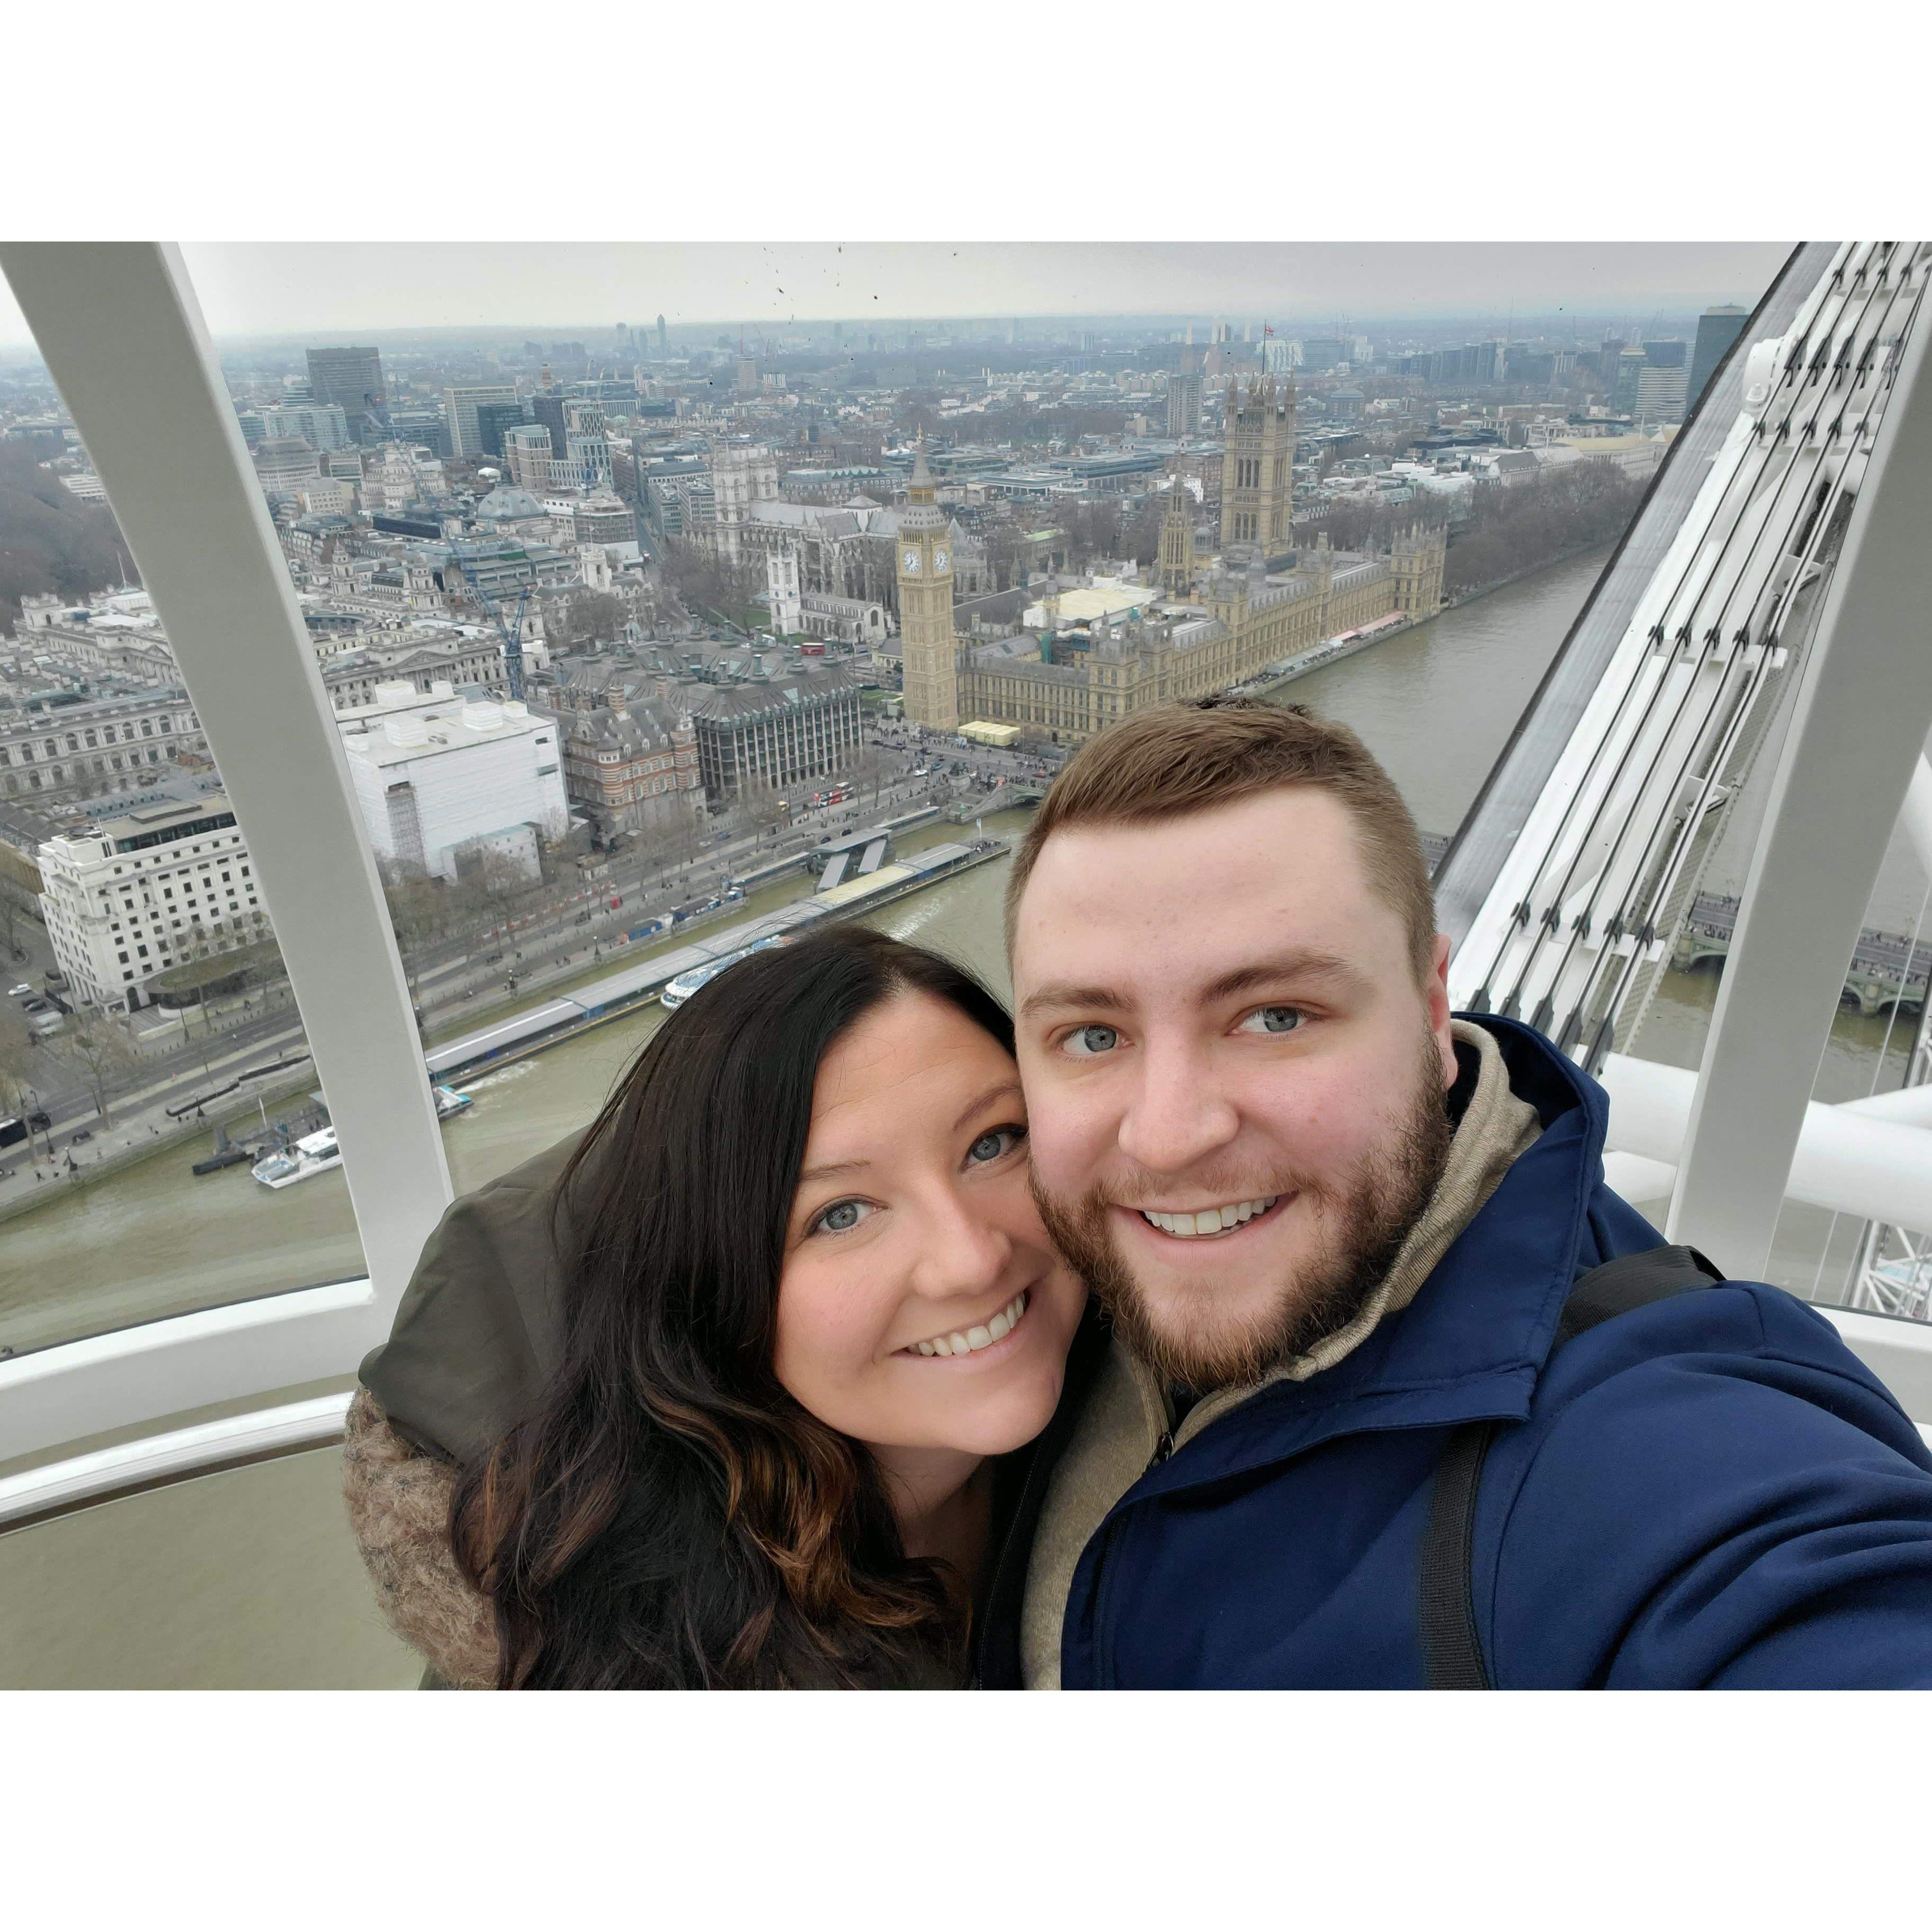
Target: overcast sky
<point>316,289</point>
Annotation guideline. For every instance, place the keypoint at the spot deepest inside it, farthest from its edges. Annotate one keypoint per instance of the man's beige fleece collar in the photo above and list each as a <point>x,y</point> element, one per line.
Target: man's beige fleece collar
<point>1126,1412</point>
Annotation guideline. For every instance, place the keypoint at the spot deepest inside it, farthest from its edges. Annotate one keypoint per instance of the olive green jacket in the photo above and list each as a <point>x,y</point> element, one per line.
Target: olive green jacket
<point>475,1339</point>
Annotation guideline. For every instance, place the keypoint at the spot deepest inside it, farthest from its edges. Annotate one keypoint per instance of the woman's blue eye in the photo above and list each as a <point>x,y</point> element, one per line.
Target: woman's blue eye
<point>1273,1019</point>
<point>1083,1043</point>
<point>991,1146</point>
<point>841,1216</point>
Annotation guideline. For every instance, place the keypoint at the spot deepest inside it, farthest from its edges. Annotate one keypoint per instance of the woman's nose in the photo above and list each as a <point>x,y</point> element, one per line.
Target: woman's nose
<point>964,1252</point>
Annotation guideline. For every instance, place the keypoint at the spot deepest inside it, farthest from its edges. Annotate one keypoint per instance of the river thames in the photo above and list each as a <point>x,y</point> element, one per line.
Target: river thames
<point>1436,703</point>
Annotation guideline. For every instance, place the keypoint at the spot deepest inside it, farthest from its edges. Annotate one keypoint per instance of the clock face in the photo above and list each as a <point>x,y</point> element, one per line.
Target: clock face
<point>940,560</point>
<point>909,563</point>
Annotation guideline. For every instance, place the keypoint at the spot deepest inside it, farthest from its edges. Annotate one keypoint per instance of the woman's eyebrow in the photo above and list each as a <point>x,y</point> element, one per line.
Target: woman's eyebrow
<point>982,1101</point>
<point>825,1169</point>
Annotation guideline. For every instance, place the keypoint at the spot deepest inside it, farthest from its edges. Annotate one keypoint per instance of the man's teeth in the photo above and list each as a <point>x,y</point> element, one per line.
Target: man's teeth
<point>970,1340</point>
<point>1209,1220</point>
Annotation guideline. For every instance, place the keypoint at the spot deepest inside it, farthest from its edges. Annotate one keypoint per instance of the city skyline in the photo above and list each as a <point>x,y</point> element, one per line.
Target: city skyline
<point>273,291</point>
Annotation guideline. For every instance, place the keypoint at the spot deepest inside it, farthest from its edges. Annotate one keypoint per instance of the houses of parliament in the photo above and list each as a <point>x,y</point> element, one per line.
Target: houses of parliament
<point>1213,622</point>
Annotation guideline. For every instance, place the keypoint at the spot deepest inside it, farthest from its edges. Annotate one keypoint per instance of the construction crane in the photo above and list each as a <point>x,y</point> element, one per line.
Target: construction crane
<point>511,630</point>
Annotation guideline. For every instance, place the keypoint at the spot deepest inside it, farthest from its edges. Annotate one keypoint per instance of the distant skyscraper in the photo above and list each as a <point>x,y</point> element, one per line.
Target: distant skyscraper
<point>547,407</point>
<point>492,420</point>
<point>1662,394</point>
<point>526,455</point>
<point>1183,397</point>
<point>460,407</point>
<point>1666,355</point>
<point>1717,329</point>
<point>1631,363</point>
<point>747,375</point>
<point>664,341</point>
<point>352,378</point>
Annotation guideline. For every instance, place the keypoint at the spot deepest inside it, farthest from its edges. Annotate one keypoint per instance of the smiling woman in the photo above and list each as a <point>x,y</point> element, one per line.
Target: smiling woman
<point>806,1299</point>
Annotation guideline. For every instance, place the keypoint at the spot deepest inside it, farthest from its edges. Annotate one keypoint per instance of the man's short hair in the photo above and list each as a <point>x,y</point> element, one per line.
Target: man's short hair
<point>1176,759</point>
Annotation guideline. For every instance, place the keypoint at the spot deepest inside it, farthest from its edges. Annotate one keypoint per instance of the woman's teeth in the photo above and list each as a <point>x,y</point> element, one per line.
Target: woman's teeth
<point>1209,1220</point>
<point>973,1339</point>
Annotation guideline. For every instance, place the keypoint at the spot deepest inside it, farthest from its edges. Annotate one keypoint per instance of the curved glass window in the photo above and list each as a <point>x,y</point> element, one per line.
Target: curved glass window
<point>153,1061</point>
<point>609,633</point>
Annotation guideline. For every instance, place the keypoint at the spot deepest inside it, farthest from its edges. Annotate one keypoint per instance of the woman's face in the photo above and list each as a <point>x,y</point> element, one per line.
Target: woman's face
<point>920,1306</point>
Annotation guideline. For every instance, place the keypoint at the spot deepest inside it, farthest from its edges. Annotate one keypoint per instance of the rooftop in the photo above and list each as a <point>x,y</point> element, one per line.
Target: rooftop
<point>443,722</point>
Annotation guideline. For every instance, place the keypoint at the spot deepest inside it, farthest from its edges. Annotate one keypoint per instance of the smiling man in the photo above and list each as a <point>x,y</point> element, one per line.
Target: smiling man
<point>1359,1424</point>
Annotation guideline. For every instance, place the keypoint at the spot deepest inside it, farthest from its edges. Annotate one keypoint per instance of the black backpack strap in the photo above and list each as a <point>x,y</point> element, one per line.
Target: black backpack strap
<point>1452,1653</point>
<point>1632,1281</point>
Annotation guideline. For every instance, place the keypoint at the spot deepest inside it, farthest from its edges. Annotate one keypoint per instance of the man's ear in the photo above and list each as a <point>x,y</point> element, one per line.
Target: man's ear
<point>1437,992</point>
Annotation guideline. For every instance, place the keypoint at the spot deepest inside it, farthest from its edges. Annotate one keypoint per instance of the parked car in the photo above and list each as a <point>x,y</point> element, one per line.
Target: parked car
<point>16,992</point>
<point>78,1135</point>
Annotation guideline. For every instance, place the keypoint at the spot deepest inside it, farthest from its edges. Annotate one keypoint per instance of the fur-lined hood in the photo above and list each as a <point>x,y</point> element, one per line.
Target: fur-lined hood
<point>399,1498</point>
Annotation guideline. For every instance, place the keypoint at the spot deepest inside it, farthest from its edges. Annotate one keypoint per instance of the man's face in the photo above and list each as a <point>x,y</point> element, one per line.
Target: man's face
<point>1234,1081</point>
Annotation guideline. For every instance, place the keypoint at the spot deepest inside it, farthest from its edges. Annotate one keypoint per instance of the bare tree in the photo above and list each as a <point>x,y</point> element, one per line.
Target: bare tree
<point>1005,555</point>
<point>16,1061</point>
<point>869,769</point>
<point>1092,528</point>
<point>98,1053</point>
<point>421,910</point>
<point>11,912</point>
<point>498,880</point>
<point>709,586</point>
<point>594,617</point>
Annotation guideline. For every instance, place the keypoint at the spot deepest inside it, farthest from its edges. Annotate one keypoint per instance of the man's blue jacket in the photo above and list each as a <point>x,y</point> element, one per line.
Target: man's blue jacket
<point>1711,1490</point>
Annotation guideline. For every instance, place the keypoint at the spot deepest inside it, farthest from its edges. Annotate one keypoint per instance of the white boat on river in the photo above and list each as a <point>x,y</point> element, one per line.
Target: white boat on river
<point>317,1153</point>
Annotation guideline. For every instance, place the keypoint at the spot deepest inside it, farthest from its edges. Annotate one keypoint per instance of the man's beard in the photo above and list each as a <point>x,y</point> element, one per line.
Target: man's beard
<point>1361,1222</point>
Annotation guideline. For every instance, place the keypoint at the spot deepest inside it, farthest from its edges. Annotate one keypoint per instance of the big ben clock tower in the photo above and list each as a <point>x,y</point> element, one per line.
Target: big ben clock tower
<point>927,646</point>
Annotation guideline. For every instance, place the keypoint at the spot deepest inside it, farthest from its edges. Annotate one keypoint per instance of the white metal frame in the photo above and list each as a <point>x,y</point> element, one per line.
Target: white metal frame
<point>1863,711</point>
<point>104,1474</point>
<point>124,339</point>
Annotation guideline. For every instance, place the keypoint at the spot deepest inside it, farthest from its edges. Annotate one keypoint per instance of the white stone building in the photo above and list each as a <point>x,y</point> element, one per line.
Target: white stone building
<point>135,896</point>
<point>439,778</point>
<point>781,590</point>
<point>740,477</point>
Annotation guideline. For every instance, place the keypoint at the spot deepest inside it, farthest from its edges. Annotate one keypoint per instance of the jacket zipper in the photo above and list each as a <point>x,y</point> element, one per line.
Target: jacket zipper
<point>1102,1575</point>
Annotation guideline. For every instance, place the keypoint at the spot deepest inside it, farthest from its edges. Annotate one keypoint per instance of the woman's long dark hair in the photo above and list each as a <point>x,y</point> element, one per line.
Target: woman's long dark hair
<point>670,1517</point>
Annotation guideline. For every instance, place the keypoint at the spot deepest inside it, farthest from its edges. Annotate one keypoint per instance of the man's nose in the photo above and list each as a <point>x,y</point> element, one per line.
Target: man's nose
<point>1177,1117</point>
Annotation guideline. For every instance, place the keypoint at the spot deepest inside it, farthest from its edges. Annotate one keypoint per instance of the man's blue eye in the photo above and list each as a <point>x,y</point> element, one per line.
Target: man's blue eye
<point>1273,1019</point>
<point>1084,1042</point>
